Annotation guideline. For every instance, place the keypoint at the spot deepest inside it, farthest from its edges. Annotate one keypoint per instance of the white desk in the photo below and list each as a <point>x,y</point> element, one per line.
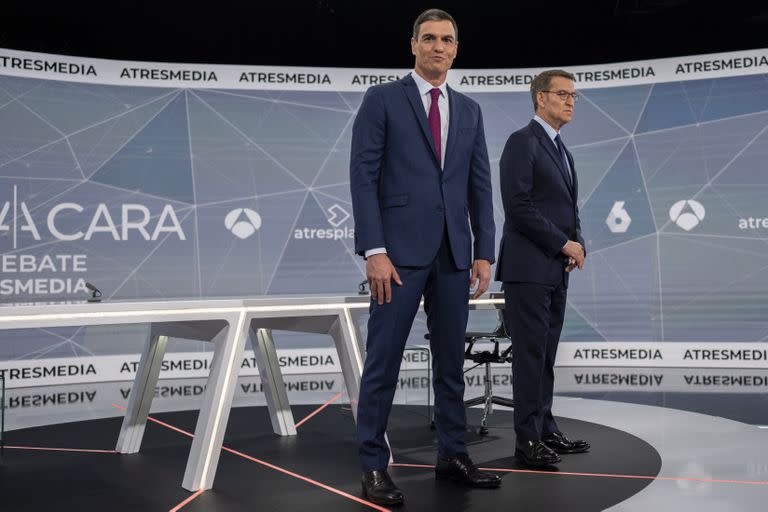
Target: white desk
<point>226,323</point>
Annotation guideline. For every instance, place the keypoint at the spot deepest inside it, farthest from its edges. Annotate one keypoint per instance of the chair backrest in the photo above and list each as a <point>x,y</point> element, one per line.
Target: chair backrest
<point>486,323</point>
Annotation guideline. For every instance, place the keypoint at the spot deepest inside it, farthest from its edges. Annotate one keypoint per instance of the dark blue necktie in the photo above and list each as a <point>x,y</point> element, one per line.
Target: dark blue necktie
<point>563,159</point>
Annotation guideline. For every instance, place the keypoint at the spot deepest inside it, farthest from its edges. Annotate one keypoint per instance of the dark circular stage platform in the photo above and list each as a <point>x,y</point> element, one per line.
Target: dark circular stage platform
<point>316,470</point>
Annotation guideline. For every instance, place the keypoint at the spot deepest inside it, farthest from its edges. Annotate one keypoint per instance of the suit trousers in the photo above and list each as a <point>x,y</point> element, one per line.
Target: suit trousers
<point>446,293</point>
<point>534,315</point>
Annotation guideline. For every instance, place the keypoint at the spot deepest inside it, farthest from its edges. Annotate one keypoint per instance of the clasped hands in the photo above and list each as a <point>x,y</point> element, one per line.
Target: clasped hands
<point>575,253</point>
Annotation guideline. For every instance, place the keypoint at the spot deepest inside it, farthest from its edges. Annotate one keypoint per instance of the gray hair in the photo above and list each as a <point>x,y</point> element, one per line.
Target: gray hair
<point>543,80</point>
<point>434,15</point>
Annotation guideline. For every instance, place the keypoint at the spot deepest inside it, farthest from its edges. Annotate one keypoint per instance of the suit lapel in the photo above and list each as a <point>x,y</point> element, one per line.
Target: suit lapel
<point>412,92</point>
<point>575,190</point>
<point>453,123</point>
<point>550,148</point>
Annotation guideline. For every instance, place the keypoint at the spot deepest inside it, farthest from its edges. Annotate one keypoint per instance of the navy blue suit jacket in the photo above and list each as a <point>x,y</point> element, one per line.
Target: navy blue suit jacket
<point>540,210</point>
<point>401,199</point>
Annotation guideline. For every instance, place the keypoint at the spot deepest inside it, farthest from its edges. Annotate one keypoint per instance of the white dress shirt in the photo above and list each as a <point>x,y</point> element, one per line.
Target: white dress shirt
<point>442,104</point>
<point>552,134</point>
<point>426,99</point>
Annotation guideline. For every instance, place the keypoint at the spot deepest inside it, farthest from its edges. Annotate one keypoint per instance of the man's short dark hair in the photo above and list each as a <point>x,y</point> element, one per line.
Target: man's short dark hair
<point>544,79</point>
<point>434,15</point>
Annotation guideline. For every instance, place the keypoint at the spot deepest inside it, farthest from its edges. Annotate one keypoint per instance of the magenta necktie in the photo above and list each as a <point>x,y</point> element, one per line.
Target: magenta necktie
<point>434,121</point>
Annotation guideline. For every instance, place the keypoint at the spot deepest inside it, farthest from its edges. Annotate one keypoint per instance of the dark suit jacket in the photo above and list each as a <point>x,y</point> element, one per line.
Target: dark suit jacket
<point>540,210</point>
<point>401,199</point>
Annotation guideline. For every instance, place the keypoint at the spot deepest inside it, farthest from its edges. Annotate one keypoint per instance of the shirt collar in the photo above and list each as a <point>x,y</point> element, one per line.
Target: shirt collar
<point>550,131</point>
<point>425,87</point>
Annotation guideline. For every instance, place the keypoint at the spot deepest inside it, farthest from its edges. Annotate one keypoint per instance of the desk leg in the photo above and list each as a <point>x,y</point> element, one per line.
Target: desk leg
<point>142,392</point>
<point>272,382</point>
<point>217,402</point>
<point>346,336</point>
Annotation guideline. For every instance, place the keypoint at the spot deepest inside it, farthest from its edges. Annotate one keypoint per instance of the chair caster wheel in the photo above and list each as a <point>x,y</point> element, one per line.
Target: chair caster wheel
<point>482,431</point>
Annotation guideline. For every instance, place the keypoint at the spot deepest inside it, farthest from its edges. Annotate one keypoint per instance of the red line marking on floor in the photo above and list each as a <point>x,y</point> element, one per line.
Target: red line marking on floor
<point>602,475</point>
<point>186,501</point>
<point>308,480</point>
<point>150,418</point>
<point>276,468</point>
<point>326,404</point>
<point>47,449</point>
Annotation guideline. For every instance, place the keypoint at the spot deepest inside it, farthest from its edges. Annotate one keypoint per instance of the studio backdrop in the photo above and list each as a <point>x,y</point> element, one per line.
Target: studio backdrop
<point>172,180</point>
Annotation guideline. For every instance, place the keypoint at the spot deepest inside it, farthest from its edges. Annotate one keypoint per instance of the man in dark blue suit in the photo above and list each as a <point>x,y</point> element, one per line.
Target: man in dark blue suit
<point>419,175</point>
<point>541,245</point>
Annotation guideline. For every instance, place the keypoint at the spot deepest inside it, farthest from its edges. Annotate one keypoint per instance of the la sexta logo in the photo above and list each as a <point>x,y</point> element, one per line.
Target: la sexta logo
<point>618,219</point>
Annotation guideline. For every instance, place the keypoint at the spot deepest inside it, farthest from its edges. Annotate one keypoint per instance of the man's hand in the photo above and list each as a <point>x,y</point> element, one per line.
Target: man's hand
<point>576,251</point>
<point>380,273</point>
<point>481,269</point>
<point>570,264</point>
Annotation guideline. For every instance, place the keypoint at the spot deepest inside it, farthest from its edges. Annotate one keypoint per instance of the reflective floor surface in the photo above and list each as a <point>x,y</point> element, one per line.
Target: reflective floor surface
<point>709,427</point>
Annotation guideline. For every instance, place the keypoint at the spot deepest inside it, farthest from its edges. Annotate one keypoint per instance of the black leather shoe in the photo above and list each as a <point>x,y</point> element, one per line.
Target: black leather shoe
<point>461,469</point>
<point>536,453</point>
<point>558,443</point>
<point>379,488</point>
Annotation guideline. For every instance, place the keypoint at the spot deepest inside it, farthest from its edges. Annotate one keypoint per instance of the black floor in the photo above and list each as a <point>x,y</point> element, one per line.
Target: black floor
<point>323,451</point>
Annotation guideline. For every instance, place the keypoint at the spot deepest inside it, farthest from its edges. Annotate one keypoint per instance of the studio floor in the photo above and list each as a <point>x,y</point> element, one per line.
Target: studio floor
<point>674,439</point>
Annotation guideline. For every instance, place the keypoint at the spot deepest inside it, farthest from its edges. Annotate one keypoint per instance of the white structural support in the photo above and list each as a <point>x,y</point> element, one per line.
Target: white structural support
<point>217,402</point>
<point>142,391</point>
<point>272,382</point>
<point>227,324</point>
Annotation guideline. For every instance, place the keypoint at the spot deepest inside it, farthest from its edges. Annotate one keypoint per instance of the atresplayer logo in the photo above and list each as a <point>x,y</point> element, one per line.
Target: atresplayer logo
<point>242,222</point>
<point>336,216</point>
<point>687,213</point>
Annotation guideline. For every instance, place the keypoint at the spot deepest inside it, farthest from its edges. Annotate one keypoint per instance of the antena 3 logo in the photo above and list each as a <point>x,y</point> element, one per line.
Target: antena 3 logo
<point>337,217</point>
<point>133,221</point>
<point>687,214</point>
<point>242,222</point>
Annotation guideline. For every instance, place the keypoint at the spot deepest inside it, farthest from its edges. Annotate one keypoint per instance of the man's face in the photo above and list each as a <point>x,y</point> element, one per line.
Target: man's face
<point>435,48</point>
<point>556,106</point>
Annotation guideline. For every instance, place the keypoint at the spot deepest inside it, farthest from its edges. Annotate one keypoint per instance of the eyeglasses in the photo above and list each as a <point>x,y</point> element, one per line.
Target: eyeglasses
<point>563,95</point>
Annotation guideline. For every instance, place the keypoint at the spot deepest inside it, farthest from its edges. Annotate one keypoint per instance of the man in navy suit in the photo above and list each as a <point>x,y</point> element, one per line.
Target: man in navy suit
<point>541,245</point>
<point>420,176</point>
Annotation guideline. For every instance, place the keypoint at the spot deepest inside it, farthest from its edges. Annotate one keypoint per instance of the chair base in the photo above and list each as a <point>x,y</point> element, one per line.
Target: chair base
<point>498,400</point>
<point>493,399</point>
<point>482,430</point>
<point>488,399</point>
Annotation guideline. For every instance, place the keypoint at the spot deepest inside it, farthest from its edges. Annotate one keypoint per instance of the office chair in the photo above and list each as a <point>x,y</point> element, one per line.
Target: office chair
<point>487,358</point>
